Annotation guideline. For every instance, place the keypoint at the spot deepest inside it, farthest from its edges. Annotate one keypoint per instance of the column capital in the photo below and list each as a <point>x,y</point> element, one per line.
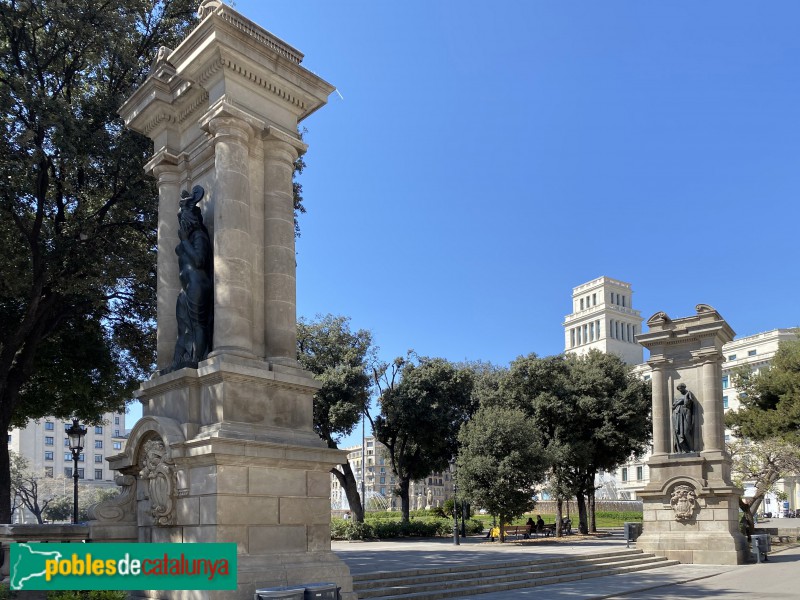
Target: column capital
<point>274,137</point>
<point>706,356</point>
<point>165,164</point>
<point>659,363</point>
<point>224,115</point>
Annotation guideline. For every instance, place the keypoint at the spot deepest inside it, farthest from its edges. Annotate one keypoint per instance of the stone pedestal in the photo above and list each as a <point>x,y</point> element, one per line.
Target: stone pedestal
<point>690,503</point>
<point>226,452</point>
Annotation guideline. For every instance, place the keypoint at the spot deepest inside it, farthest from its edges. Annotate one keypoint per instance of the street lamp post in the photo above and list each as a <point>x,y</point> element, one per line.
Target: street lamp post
<point>456,541</point>
<point>76,434</point>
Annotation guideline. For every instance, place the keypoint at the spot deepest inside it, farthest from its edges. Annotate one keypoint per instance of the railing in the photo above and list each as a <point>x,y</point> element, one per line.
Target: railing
<point>10,534</point>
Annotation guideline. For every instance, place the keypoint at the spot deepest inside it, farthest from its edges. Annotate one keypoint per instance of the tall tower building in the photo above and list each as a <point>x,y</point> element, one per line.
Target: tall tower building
<point>603,318</point>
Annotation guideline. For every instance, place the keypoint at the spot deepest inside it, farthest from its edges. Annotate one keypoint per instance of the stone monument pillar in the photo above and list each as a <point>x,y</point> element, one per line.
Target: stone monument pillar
<point>690,504</point>
<point>226,452</point>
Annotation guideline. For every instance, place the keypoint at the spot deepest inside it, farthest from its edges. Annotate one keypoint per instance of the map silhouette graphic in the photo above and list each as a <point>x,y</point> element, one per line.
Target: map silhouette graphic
<point>26,565</point>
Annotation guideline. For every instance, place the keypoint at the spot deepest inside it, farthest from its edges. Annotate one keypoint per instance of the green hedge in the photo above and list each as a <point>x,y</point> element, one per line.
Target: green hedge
<point>384,528</point>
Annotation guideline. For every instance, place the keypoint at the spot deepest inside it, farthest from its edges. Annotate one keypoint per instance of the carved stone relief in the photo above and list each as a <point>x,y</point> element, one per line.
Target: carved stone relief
<point>683,501</point>
<point>158,470</point>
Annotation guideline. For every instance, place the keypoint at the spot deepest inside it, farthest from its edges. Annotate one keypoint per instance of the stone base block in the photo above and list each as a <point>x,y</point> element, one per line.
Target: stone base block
<point>695,547</point>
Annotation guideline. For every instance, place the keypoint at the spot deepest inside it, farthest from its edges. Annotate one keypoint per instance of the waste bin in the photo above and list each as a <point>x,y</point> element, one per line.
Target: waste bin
<point>321,591</point>
<point>760,545</point>
<point>633,531</point>
<point>281,593</point>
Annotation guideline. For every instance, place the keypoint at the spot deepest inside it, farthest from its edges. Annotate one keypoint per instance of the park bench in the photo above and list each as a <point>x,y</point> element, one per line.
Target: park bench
<point>517,530</point>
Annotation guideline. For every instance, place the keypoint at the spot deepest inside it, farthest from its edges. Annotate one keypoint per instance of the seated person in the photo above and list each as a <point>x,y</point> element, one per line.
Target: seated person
<point>539,523</point>
<point>532,525</point>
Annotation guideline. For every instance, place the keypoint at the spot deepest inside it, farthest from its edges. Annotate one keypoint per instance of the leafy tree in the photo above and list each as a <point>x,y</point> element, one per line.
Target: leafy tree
<point>422,406</point>
<point>611,423</point>
<point>77,212</point>
<point>767,423</point>
<point>770,399</point>
<point>500,461</point>
<point>340,359</point>
<point>592,413</point>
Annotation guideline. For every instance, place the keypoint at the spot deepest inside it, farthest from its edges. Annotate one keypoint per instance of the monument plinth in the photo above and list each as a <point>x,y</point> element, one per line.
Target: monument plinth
<point>226,450</point>
<point>690,504</point>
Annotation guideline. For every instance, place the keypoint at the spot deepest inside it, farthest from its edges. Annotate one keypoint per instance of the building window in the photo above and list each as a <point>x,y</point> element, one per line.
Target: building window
<point>732,357</point>
<point>117,445</point>
<point>48,471</point>
<point>48,455</point>
<point>67,471</point>
<point>98,443</point>
<point>581,303</point>
<point>9,438</point>
<point>623,301</point>
<point>98,429</point>
<point>594,299</point>
<point>98,458</point>
<point>80,473</point>
<point>725,382</point>
<point>647,377</point>
<point>751,353</point>
<point>624,473</point>
<point>66,441</point>
<point>724,402</point>
<point>67,455</point>
<point>116,433</point>
<point>639,470</point>
<point>49,426</point>
<point>116,420</point>
<point>49,440</point>
<point>98,473</point>
<point>383,480</point>
<point>81,457</point>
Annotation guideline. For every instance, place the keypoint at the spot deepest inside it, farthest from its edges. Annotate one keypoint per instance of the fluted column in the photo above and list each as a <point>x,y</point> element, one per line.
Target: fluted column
<point>280,281</point>
<point>661,411</point>
<point>168,173</point>
<point>711,399</point>
<point>233,293</point>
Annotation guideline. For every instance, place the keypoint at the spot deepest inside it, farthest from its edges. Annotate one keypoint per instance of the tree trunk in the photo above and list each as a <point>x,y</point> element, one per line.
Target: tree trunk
<point>559,515</point>
<point>582,520</point>
<point>502,532</point>
<point>5,480</point>
<point>592,517</point>
<point>404,500</point>
<point>350,486</point>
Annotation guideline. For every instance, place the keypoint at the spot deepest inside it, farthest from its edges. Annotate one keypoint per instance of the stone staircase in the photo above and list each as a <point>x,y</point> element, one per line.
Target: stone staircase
<point>461,580</point>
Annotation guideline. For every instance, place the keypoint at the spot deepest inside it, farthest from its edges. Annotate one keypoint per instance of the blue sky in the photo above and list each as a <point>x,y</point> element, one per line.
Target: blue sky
<point>480,159</point>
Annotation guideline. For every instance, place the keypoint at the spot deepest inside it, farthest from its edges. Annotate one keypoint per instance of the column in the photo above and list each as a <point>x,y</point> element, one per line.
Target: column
<point>168,173</point>
<point>662,439</point>
<point>233,294</point>
<point>710,397</point>
<point>280,282</point>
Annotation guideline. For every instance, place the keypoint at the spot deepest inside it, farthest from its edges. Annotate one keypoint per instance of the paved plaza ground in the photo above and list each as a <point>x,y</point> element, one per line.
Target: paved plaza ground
<point>776,579</point>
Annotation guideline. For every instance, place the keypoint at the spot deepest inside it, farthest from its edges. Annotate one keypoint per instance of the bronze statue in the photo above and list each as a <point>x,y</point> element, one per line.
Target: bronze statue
<point>194,308</point>
<point>683,420</point>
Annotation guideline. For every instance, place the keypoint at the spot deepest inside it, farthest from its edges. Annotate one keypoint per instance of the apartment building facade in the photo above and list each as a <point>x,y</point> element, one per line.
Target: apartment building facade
<point>45,445</point>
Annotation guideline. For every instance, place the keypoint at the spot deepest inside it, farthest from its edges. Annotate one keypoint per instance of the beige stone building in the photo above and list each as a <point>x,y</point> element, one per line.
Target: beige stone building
<point>46,447</point>
<point>603,318</point>
<point>607,303</point>
<point>380,481</point>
